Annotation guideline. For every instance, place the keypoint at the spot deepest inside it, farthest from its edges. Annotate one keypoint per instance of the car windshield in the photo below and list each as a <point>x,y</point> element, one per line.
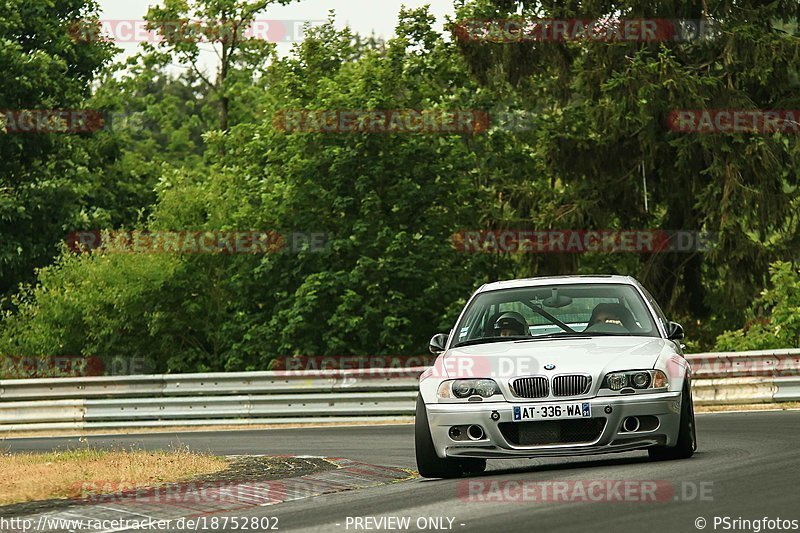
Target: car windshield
<point>573,310</point>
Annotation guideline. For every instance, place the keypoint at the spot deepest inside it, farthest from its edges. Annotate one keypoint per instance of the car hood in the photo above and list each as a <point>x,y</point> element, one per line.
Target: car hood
<point>593,355</point>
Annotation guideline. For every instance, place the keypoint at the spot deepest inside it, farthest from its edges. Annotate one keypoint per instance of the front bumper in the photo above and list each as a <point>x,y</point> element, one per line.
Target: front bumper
<point>664,406</point>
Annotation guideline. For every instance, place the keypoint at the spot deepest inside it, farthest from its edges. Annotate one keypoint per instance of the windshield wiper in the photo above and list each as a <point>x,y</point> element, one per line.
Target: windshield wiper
<point>487,340</point>
<point>559,335</point>
<point>578,335</point>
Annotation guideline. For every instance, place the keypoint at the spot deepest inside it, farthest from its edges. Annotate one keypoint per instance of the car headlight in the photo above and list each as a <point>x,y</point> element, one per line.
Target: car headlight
<point>486,388</point>
<point>464,388</point>
<point>640,380</point>
<point>637,379</point>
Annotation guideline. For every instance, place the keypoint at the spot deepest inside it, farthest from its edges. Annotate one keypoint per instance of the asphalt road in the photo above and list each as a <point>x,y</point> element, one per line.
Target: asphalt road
<point>747,466</point>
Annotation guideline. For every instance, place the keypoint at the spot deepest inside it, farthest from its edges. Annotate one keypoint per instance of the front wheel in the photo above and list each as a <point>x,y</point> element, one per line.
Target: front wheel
<point>687,436</point>
<point>428,463</point>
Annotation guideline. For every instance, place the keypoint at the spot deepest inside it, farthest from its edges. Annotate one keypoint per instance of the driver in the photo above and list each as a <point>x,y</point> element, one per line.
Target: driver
<point>605,316</point>
<point>616,314</point>
<point>511,324</point>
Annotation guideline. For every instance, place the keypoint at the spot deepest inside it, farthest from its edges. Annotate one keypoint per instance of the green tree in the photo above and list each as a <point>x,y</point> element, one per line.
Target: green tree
<point>601,113</point>
<point>222,24</point>
<point>388,278</point>
<point>43,177</point>
<point>773,320</point>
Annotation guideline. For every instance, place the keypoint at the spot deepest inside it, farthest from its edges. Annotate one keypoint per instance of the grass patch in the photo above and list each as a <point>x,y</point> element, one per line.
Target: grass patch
<point>43,476</point>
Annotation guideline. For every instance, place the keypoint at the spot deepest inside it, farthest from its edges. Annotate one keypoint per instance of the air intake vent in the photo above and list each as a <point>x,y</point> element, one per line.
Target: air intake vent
<point>549,432</point>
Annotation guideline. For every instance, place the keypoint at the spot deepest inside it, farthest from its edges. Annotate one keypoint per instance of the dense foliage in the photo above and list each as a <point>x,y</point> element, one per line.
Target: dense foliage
<point>198,152</point>
<point>46,181</point>
<point>773,321</point>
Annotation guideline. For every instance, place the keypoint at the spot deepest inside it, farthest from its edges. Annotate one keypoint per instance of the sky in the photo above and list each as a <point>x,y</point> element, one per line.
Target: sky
<point>363,16</point>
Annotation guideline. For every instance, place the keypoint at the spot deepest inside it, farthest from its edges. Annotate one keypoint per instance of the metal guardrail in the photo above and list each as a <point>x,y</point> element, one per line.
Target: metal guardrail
<point>246,398</point>
<point>235,398</point>
<point>763,363</point>
<point>277,382</point>
<point>731,378</point>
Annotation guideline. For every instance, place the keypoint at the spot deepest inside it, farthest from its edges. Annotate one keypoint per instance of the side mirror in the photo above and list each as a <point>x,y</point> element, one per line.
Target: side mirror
<point>436,346</point>
<point>674,331</point>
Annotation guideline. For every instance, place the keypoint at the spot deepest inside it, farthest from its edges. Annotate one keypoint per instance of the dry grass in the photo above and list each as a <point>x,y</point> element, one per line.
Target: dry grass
<point>34,476</point>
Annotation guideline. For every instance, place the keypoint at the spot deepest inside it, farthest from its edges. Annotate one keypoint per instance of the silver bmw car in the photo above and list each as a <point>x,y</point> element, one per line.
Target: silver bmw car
<point>559,366</point>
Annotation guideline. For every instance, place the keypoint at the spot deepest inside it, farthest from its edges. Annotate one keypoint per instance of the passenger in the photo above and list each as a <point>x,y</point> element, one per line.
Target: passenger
<point>511,324</point>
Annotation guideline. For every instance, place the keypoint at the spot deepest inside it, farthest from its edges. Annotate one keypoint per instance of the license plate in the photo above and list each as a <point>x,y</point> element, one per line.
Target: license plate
<point>554,411</point>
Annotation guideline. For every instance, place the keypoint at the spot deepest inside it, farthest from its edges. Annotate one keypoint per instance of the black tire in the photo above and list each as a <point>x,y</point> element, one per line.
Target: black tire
<point>431,465</point>
<point>687,435</point>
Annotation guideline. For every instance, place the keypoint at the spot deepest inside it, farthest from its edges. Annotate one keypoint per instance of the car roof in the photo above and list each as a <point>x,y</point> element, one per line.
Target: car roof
<point>557,280</point>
